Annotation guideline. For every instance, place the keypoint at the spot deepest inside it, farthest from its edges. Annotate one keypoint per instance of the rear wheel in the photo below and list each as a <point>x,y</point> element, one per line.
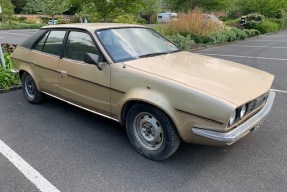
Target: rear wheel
<point>151,132</point>
<point>30,90</point>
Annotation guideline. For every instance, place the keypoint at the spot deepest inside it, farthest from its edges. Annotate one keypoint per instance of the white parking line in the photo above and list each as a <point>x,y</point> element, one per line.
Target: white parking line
<point>273,36</point>
<point>280,91</point>
<point>251,46</point>
<point>33,175</point>
<point>239,56</point>
<point>266,40</point>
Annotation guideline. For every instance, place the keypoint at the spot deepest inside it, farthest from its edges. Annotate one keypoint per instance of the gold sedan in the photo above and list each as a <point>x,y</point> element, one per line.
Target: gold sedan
<point>133,75</point>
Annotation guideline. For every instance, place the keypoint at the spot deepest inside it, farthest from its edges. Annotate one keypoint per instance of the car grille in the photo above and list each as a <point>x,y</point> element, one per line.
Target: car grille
<point>252,105</point>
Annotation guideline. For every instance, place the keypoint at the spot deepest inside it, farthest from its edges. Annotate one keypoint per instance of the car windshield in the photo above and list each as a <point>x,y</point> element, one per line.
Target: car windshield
<point>125,44</point>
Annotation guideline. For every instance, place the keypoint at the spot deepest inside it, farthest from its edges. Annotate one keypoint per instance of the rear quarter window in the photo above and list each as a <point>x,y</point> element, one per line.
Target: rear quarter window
<point>28,43</point>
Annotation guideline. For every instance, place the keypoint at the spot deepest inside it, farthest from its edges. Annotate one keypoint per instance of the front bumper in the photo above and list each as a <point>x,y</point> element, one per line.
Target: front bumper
<point>243,129</point>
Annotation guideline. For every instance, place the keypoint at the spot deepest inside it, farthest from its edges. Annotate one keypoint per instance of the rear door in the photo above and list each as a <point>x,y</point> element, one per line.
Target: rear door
<point>45,59</point>
<point>81,83</point>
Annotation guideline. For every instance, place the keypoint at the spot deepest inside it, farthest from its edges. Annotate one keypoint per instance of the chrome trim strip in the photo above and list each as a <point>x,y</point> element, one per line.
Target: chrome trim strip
<point>97,113</point>
<point>241,130</point>
<point>200,117</point>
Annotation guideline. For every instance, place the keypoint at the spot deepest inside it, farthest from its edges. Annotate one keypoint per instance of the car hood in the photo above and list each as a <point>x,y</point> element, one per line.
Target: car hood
<point>230,81</point>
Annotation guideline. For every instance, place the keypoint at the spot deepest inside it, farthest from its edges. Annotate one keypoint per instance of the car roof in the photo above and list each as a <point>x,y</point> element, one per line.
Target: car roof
<point>92,26</point>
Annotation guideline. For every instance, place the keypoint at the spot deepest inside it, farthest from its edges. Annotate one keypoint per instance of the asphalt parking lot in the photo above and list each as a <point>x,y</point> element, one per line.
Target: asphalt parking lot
<point>15,36</point>
<point>69,149</point>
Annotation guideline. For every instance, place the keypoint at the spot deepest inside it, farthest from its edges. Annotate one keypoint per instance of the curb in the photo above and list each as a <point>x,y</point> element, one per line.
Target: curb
<point>11,89</point>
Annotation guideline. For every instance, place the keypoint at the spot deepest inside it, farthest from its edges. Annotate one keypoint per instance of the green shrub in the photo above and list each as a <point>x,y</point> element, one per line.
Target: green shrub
<point>16,25</point>
<point>230,35</point>
<point>254,32</point>
<point>125,18</point>
<point>267,27</point>
<point>8,78</point>
<point>240,34</point>
<point>255,17</point>
<point>278,14</point>
<point>184,43</point>
<point>232,22</point>
<point>281,22</point>
<point>248,32</point>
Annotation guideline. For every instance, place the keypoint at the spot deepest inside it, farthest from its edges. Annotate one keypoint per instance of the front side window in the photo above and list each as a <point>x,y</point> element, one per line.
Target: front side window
<point>54,42</point>
<point>78,44</point>
<point>126,44</point>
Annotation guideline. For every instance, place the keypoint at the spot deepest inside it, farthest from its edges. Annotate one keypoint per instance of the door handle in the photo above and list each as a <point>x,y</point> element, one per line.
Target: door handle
<point>64,73</point>
<point>32,62</point>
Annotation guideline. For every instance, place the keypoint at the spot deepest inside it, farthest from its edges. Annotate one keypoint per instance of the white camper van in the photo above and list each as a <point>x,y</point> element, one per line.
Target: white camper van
<point>166,17</point>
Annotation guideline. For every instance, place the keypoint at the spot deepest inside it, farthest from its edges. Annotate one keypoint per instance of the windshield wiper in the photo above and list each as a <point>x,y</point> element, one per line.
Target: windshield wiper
<point>152,54</point>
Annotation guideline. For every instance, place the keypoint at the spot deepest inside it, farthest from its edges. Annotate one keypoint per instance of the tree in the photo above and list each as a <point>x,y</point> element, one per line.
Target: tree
<point>49,7</point>
<point>18,5</point>
<point>187,5</point>
<point>106,9</point>
<point>151,8</point>
<point>264,7</point>
<point>7,8</point>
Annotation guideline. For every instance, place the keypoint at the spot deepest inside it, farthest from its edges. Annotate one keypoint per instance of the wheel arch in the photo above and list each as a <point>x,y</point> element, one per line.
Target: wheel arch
<point>22,71</point>
<point>130,103</point>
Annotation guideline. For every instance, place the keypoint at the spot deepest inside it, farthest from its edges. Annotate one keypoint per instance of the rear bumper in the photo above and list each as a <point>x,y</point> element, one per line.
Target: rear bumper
<point>243,129</point>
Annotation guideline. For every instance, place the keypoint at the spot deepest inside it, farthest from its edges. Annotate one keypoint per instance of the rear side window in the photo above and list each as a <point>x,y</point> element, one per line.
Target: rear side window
<point>28,43</point>
<point>39,45</point>
<point>54,42</point>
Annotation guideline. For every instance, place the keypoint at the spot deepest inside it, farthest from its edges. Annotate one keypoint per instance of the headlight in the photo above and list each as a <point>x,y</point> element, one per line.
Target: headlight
<point>243,111</point>
<point>232,118</point>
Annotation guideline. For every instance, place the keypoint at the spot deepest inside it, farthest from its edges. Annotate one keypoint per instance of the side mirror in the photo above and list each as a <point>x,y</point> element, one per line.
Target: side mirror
<point>91,58</point>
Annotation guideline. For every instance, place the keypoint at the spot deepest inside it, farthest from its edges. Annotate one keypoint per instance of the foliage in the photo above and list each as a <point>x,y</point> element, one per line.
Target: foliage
<point>104,10</point>
<point>8,78</point>
<point>233,23</point>
<point>230,35</point>
<point>7,9</point>
<point>150,8</point>
<point>193,23</point>
<point>255,17</point>
<point>184,43</point>
<point>16,25</point>
<point>264,26</point>
<point>125,18</point>
<point>207,5</point>
<point>49,7</point>
<point>240,34</point>
<point>248,32</point>
<point>281,22</point>
<point>264,7</point>
<point>8,48</point>
<point>254,32</point>
<point>18,5</point>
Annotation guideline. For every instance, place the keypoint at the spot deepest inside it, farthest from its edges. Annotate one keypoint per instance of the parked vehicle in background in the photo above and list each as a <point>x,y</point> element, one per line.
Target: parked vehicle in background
<point>52,22</point>
<point>166,17</point>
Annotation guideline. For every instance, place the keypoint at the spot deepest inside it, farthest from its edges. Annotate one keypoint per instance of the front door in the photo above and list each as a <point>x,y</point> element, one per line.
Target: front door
<point>81,83</point>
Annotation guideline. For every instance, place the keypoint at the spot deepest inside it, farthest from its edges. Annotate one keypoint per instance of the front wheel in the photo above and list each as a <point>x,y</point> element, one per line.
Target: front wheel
<point>30,90</point>
<point>151,132</point>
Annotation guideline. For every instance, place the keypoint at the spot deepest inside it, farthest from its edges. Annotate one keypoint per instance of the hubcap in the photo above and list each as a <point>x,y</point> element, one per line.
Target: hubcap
<point>148,131</point>
<point>29,87</point>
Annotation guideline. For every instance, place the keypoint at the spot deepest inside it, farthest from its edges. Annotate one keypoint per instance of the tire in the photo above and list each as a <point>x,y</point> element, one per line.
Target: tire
<point>30,90</point>
<point>151,132</point>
